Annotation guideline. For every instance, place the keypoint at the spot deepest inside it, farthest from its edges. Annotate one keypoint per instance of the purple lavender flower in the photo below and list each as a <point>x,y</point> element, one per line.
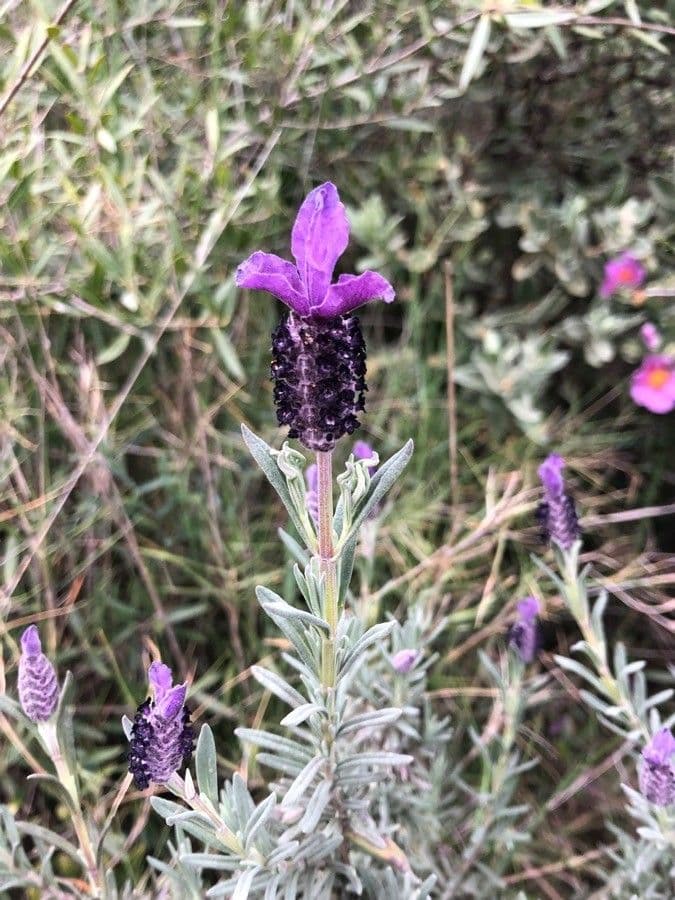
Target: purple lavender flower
<point>623,272</point>
<point>524,636</point>
<point>162,736</point>
<point>556,512</point>
<point>318,353</point>
<point>38,686</point>
<point>312,493</point>
<point>404,660</point>
<point>657,771</point>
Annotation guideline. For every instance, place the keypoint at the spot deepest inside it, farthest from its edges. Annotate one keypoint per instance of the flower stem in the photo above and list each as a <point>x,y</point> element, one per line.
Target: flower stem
<point>324,463</point>
<point>69,782</point>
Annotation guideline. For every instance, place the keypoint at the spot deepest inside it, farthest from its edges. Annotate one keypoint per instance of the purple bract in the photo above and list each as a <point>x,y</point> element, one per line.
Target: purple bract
<point>524,633</point>
<point>556,512</point>
<point>657,774</point>
<point>320,236</point>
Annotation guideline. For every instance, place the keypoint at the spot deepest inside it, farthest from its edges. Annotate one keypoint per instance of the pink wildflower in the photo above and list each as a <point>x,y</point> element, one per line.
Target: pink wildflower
<point>624,272</point>
<point>653,384</point>
<point>651,336</point>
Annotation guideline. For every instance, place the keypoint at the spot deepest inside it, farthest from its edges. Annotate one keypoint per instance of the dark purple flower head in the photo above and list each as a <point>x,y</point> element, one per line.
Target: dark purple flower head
<point>657,771</point>
<point>38,686</point>
<point>524,635</point>
<point>625,271</point>
<point>556,512</point>
<point>162,736</point>
<point>320,236</point>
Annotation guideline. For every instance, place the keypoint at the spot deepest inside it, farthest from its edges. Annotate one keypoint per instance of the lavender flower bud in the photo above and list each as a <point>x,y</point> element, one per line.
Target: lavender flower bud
<point>556,513</point>
<point>404,660</point>
<point>318,368</point>
<point>162,736</point>
<point>524,635</point>
<point>38,686</point>
<point>657,771</point>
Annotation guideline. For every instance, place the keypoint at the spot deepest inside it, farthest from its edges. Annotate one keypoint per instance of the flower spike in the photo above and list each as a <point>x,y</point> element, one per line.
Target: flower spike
<point>38,685</point>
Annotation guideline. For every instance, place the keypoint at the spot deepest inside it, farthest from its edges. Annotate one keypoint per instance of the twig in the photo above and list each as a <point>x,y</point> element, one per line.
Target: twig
<point>25,72</point>
<point>452,398</point>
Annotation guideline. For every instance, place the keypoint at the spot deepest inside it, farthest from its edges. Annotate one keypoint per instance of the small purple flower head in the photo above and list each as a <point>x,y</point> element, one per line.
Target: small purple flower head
<point>624,272</point>
<point>404,660</point>
<point>657,771</point>
<point>524,636</point>
<point>320,236</point>
<point>556,513</point>
<point>162,736</point>
<point>312,492</point>
<point>651,336</point>
<point>653,384</point>
<point>38,686</point>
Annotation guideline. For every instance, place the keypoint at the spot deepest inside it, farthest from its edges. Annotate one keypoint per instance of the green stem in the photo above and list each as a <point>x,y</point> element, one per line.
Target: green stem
<point>327,560</point>
<point>68,780</point>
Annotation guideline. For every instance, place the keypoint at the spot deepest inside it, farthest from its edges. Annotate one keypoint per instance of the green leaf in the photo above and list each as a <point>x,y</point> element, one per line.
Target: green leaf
<point>262,454</point>
<point>228,354</point>
<point>54,787</point>
<point>206,765</point>
<point>64,723</point>
<point>114,350</point>
<point>474,54</point>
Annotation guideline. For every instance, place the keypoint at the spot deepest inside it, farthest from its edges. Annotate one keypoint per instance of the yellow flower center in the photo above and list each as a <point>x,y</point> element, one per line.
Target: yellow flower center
<point>658,377</point>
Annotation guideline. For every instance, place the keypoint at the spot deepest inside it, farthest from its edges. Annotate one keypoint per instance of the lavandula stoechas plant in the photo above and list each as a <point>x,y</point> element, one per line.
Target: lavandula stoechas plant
<point>618,689</point>
<point>318,356</point>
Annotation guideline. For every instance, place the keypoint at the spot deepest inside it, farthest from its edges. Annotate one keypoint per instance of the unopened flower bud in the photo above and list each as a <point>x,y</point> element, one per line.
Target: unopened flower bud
<point>38,685</point>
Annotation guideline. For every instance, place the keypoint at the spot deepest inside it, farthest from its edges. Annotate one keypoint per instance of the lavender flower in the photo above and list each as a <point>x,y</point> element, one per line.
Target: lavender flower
<point>556,512</point>
<point>404,660</point>
<point>625,271</point>
<point>318,353</point>
<point>524,636</point>
<point>162,736</point>
<point>657,772</point>
<point>38,686</point>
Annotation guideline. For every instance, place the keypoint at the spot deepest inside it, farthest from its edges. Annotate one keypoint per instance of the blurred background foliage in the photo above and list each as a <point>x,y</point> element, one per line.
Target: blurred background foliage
<point>492,160</point>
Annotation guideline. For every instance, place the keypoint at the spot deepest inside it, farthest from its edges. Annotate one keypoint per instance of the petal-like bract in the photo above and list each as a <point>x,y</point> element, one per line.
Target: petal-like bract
<point>319,238</point>
<point>267,272</point>
<point>352,291</point>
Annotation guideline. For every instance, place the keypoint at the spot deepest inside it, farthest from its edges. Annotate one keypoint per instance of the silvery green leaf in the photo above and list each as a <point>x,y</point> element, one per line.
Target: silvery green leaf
<point>54,787</point>
<point>260,815</point>
<point>242,800</point>
<point>372,636</point>
<point>318,847</point>
<point>658,698</point>
<point>375,719</point>
<point>244,883</point>
<point>279,764</point>
<point>277,686</point>
<point>282,852</point>
<point>474,54</point>
<point>64,723</point>
<point>373,758</point>
<point>214,861</point>
<point>572,665</point>
<point>289,627</point>
<point>315,807</point>
<point>272,888</point>
<point>346,565</point>
<point>380,483</point>
<point>303,781</point>
<point>264,456</point>
<point>297,552</point>
<point>206,765</point>
<point>284,746</point>
<point>280,609</point>
<point>51,839</point>
<point>302,713</point>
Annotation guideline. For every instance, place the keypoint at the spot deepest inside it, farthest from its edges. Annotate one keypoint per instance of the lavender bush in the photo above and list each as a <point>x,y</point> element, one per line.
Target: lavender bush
<point>401,714</point>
